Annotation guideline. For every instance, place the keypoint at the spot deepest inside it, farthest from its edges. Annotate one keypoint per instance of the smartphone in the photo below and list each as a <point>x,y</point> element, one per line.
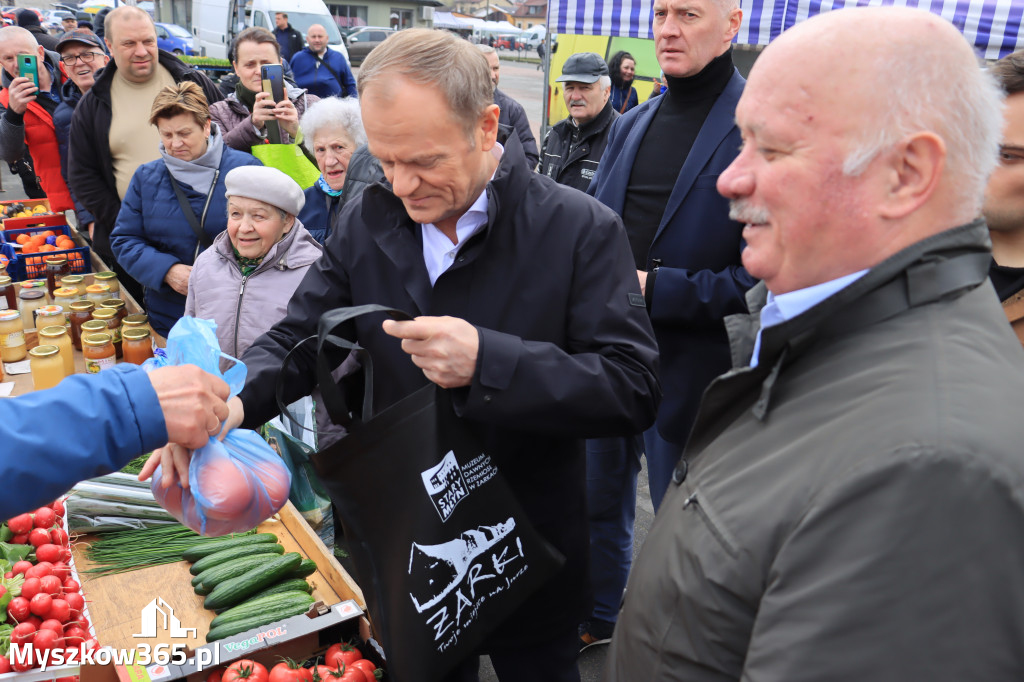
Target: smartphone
<point>273,83</point>
<point>28,68</point>
<point>273,80</point>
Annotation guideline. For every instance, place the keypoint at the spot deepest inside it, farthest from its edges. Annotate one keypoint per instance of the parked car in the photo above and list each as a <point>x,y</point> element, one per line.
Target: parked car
<point>174,38</point>
<point>364,39</point>
<point>508,42</point>
<point>52,20</point>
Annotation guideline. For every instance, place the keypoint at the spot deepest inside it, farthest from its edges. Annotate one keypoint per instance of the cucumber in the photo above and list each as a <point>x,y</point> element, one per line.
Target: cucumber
<point>199,551</point>
<point>305,569</point>
<point>211,560</point>
<point>211,577</point>
<point>287,585</point>
<point>261,605</point>
<point>234,590</point>
<point>236,626</point>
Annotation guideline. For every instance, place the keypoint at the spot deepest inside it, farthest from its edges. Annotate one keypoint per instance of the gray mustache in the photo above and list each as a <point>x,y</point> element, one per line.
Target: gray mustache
<point>741,211</point>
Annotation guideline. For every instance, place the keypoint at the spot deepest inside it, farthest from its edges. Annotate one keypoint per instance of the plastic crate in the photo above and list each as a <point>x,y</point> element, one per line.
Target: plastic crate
<point>33,265</point>
<point>50,220</point>
<point>28,203</point>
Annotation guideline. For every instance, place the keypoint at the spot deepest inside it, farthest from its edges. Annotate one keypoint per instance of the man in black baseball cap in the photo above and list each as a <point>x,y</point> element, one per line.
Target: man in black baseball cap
<point>29,20</point>
<point>572,149</point>
<point>82,53</point>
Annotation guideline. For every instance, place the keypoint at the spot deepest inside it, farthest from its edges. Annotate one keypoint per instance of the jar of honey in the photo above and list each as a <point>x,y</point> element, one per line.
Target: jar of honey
<point>49,314</point>
<point>36,285</point>
<point>30,300</point>
<point>76,281</point>
<point>94,327</point>
<point>12,336</point>
<point>57,335</point>
<point>56,267</point>
<point>110,279</point>
<point>97,293</point>
<point>7,290</point>
<point>117,305</point>
<point>136,321</point>
<point>81,312</point>
<point>113,322</point>
<point>137,345</point>
<point>98,351</point>
<point>64,297</point>
<point>47,367</point>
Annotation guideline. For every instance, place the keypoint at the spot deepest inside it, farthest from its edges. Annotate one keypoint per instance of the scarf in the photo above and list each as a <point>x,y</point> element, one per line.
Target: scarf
<point>245,95</point>
<point>326,189</point>
<point>199,172</point>
<point>247,265</point>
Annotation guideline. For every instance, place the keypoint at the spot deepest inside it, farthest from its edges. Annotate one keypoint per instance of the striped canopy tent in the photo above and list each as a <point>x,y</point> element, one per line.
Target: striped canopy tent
<point>993,26</point>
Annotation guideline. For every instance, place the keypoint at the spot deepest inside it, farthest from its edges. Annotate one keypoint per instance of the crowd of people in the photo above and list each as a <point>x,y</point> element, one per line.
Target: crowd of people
<point>792,295</point>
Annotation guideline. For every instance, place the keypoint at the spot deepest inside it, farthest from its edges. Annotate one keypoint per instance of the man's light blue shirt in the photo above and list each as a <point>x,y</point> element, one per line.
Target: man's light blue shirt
<point>438,251</point>
<point>784,307</point>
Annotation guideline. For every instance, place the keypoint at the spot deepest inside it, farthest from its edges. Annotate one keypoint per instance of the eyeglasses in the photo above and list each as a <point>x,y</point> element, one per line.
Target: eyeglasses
<point>86,57</point>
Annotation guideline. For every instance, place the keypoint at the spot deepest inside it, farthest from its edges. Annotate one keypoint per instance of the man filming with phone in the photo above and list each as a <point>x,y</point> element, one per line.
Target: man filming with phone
<point>31,92</point>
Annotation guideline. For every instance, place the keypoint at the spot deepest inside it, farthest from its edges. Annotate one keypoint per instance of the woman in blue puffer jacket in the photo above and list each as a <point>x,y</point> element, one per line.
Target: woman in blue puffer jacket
<point>175,206</point>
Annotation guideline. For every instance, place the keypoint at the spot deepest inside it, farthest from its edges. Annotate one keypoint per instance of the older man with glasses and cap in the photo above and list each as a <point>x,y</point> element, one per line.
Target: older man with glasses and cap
<point>573,147</point>
<point>82,54</point>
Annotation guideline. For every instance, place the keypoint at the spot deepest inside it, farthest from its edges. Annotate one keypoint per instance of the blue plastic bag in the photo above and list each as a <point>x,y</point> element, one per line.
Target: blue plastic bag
<point>235,484</point>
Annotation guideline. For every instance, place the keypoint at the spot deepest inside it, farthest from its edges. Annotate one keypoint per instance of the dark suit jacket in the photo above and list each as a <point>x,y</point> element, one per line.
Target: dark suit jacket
<point>700,279</point>
<point>566,350</point>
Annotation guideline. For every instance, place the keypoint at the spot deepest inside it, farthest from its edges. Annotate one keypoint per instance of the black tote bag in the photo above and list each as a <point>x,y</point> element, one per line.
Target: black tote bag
<point>441,547</point>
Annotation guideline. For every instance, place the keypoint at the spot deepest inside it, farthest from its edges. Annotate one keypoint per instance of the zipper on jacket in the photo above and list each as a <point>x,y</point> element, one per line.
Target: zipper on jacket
<point>238,312</point>
<point>206,207</point>
<point>717,529</point>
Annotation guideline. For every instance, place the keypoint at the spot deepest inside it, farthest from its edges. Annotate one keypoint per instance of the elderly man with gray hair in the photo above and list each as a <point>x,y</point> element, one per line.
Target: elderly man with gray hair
<point>573,147</point>
<point>526,311</point>
<point>849,504</point>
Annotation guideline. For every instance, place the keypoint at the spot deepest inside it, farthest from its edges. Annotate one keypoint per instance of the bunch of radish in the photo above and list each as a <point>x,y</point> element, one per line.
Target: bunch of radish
<point>45,606</point>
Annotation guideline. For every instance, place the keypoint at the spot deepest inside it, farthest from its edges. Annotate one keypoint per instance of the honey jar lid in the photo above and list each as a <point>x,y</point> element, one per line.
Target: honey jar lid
<point>72,279</point>
<point>30,294</point>
<point>94,325</point>
<point>104,314</point>
<point>82,306</point>
<point>53,330</point>
<point>136,334</point>
<point>4,280</point>
<point>55,260</point>
<point>97,288</point>
<point>44,351</point>
<point>49,310</point>
<point>63,291</point>
<point>8,315</point>
<point>113,303</point>
<point>96,339</point>
<point>105,275</point>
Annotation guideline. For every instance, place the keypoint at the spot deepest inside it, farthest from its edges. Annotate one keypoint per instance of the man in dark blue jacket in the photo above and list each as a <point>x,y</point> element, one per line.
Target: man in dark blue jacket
<point>321,70</point>
<point>83,55</point>
<point>658,172</point>
<point>288,38</point>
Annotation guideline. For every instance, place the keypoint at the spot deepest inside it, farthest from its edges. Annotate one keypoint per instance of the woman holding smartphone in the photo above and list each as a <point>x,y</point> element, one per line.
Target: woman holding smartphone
<point>244,114</point>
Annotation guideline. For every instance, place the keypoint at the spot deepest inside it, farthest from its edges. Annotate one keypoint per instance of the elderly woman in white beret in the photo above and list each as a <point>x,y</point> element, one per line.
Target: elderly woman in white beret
<point>245,280</point>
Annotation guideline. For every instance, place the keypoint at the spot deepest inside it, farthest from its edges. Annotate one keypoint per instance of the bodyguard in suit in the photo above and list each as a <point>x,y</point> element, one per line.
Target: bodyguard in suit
<point>658,173</point>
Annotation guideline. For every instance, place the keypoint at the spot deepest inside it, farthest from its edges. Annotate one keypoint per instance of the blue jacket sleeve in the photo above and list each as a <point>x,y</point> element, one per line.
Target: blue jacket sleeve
<point>106,420</point>
<point>133,251</point>
<point>689,298</point>
<point>346,76</point>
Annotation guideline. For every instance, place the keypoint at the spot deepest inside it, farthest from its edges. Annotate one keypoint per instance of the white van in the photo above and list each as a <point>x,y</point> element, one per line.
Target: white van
<point>215,23</point>
<point>532,37</point>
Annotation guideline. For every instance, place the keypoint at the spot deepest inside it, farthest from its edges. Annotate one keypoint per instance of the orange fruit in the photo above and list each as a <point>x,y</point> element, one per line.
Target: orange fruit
<point>48,233</point>
<point>37,240</point>
<point>47,247</point>
<point>21,238</point>
<point>29,248</point>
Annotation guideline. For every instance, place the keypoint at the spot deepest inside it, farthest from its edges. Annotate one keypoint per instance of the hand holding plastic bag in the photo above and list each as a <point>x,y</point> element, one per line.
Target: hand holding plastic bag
<point>234,484</point>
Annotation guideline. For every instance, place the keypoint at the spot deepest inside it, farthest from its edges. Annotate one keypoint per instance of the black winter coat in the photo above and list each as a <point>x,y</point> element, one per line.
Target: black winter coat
<point>90,167</point>
<point>566,347</point>
<point>572,153</point>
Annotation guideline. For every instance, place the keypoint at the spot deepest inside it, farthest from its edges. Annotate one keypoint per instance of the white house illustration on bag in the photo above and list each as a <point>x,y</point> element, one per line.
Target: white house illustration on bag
<point>150,613</point>
<point>435,570</point>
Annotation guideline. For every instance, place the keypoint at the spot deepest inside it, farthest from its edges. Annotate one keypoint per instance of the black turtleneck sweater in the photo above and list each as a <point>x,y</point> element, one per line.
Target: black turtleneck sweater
<point>665,146</point>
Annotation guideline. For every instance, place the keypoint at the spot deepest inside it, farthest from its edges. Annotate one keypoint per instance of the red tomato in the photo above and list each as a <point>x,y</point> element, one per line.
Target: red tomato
<point>20,524</point>
<point>18,609</point>
<point>245,670</point>
<point>290,671</point>
<point>215,676</point>
<point>367,667</point>
<point>352,675</point>
<point>226,487</point>
<point>20,567</point>
<point>40,604</point>
<point>50,584</point>
<point>45,517</point>
<point>276,481</point>
<point>343,653</point>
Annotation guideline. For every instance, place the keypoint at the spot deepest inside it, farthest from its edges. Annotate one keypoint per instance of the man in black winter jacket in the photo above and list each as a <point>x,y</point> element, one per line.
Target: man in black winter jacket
<point>110,131</point>
<point>573,147</point>
<point>288,37</point>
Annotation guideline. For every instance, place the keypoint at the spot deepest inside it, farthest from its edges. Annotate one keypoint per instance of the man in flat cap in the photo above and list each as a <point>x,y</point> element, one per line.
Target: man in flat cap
<point>573,147</point>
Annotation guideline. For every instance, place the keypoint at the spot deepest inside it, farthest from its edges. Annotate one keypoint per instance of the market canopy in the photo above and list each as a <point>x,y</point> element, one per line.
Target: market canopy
<point>993,26</point>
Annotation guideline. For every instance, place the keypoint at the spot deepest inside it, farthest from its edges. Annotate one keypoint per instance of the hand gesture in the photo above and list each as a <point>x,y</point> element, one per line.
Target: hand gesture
<point>445,348</point>
<point>22,93</point>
